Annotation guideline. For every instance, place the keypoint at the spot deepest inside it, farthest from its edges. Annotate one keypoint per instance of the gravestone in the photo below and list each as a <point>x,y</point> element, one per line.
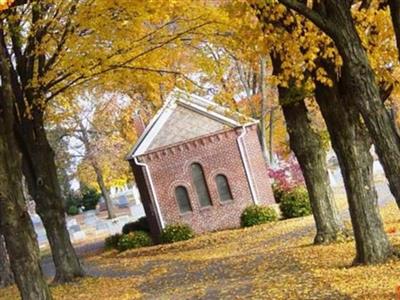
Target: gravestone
<point>41,236</point>
<point>71,222</point>
<point>123,202</point>
<point>137,211</point>
<point>90,218</point>
<point>36,220</point>
<point>74,228</point>
<point>78,236</point>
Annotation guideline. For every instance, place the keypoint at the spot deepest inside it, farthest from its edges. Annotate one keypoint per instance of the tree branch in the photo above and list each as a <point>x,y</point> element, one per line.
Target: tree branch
<point>395,12</point>
<point>307,12</point>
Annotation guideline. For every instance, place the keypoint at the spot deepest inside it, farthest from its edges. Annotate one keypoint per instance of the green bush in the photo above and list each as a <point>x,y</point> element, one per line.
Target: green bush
<point>111,242</point>
<point>139,225</point>
<point>278,193</point>
<point>256,215</point>
<point>73,210</point>
<point>90,198</point>
<point>134,240</point>
<point>72,203</point>
<point>295,203</point>
<point>176,233</point>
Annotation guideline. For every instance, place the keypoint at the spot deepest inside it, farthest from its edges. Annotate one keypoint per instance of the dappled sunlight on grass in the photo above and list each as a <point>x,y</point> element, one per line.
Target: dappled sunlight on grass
<point>332,265</point>
<point>272,261</point>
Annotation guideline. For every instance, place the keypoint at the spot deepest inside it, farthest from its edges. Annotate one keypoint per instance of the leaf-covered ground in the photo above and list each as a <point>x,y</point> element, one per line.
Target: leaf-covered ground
<point>274,261</point>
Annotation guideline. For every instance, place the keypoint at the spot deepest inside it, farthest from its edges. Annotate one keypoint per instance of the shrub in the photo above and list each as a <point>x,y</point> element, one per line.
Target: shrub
<point>176,233</point>
<point>256,215</point>
<point>112,241</point>
<point>133,240</point>
<point>295,203</point>
<point>90,198</point>
<point>139,225</point>
<point>72,203</point>
<point>73,210</point>
<point>278,193</point>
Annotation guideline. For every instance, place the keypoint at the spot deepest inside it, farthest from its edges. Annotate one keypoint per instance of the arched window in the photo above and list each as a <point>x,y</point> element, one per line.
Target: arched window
<point>182,197</point>
<point>200,185</point>
<point>224,190</point>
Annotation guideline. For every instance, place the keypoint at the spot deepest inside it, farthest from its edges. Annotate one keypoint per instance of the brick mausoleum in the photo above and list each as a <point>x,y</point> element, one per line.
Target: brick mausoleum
<point>197,163</point>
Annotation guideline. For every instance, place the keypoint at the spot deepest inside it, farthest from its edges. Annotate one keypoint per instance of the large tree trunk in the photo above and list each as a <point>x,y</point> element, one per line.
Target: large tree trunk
<point>6,277</point>
<point>15,223</point>
<point>352,143</point>
<point>41,174</point>
<point>17,228</point>
<point>40,167</point>
<point>335,19</point>
<point>395,12</point>
<point>307,146</point>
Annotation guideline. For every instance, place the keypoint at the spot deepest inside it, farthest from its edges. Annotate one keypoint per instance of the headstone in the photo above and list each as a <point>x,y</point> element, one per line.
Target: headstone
<point>71,222</point>
<point>41,236</point>
<point>136,194</point>
<point>101,226</point>
<point>90,218</point>
<point>78,236</point>
<point>36,219</point>
<point>123,202</point>
<point>74,228</point>
<point>137,211</point>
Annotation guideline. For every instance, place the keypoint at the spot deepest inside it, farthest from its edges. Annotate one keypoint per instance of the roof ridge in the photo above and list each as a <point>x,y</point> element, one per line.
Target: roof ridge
<point>201,105</point>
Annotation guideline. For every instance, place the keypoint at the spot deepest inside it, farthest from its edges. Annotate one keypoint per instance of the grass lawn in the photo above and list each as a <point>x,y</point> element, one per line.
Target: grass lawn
<point>273,261</point>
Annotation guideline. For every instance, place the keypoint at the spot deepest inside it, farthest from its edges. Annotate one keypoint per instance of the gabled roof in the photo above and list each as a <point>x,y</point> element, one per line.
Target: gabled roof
<point>190,116</point>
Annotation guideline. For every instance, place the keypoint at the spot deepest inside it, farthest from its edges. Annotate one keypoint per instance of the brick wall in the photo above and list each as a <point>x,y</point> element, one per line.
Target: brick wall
<point>218,154</point>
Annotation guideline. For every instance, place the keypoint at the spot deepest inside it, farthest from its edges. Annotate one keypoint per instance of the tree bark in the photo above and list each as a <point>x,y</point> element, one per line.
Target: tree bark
<point>307,146</point>
<point>41,173</point>
<point>38,158</point>
<point>17,227</point>
<point>264,110</point>
<point>6,277</point>
<point>271,135</point>
<point>352,144</point>
<point>358,80</point>
<point>395,12</point>
<point>15,223</point>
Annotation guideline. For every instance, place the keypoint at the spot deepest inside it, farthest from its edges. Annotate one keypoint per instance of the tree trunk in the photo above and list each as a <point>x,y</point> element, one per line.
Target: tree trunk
<point>358,80</point>
<point>271,135</point>
<point>360,85</point>
<point>41,174</point>
<point>264,109</point>
<point>17,228</point>
<point>395,12</point>
<point>99,174</point>
<point>307,146</point>
<point>15,223</point>
<point>6,277</point>
<point>352,143</point>
<point>104,191</point>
